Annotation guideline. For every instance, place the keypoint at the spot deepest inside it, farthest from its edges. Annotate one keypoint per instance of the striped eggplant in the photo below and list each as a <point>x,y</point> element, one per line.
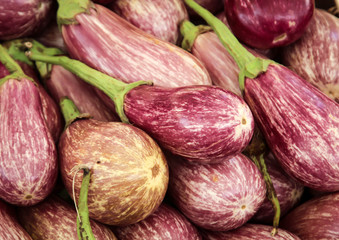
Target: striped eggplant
<point>55,219</point>
<point>165,223</point>
<point>110,44</point>
<point>10,229</point>
<point>217,197</point>
<point>250,232</point>
<point>268,24</point>
<point>300,124</point>
<point>315,56</point>
<point>315,219</point>
<point>24,18</point>
<point>161,18</point>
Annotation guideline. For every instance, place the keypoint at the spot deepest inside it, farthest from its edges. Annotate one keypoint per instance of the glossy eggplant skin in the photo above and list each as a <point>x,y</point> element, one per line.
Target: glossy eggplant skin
<point>300,125</point>
<point>56,219</point>
<point>110,44</point>
<point>165,223</point>
<point>217,197</point>
<point>315,219</point>
<point>28,158</point>
<point>24,17</point>
<point>161,18</point>
<point>315,55</point>
<point>267,24</point>
<point>204,124</point>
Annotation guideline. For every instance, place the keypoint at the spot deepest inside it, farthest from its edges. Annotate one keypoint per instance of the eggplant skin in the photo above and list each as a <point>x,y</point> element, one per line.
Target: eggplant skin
<point>300,125</point>
<point>28,158</point>
<point>129,171</point>
<point>24,18</point>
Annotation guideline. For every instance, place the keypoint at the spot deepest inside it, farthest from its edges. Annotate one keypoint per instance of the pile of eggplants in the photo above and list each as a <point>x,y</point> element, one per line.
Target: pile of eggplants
<point>174,119</point>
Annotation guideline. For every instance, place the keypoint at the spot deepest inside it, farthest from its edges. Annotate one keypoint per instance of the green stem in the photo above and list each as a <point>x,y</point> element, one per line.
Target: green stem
<point>70,111</point>
<point>84,229</point>
<point>190,32</point>
<point>68,9</point>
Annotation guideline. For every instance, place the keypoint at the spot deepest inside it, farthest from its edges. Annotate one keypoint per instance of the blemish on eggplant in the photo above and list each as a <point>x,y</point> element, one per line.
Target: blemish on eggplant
<point>155,170</point>
<point>243,121</point>
<point>243,207</point>
<point>98,162</point>
<point>29,196</point>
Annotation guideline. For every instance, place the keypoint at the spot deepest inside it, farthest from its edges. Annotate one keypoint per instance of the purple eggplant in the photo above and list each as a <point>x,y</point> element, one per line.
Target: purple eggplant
<point>268,24</point>
<point>315,56</point>
<point>161,18</point>
<point>317,218</point>
<point>55,219</point>
<point>250,232</point>
<point>165,223</point>
<point>22,18</point>
<point>110,44</point>
<point>218,197</point>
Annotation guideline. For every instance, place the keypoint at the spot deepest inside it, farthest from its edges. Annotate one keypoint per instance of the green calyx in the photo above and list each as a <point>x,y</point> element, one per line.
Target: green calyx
<point>190,32</point>
<point>68,9</point>
<point>70,111</point>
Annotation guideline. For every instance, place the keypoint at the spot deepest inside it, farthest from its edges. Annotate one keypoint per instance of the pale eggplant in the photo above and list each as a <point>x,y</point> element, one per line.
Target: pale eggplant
<point>110,44</point>
<point>217,197</point>
<point>10,228</point>
<point>315,219</point>
<point>129,171</point>
<point>165,223</point>
<point>250,232</point>
<point>55,219</point>
<point>161,18</point>
<point>24,18</point>
<point>315,55</point>
<point>268,24</point>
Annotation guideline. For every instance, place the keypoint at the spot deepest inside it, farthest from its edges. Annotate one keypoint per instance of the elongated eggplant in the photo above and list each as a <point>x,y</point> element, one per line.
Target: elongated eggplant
<point>268,24</point>
<point>110,44</point>
<point>161,18</point>
<point>129,171</point>
<point>55,219</point>
<point>300,124</point>
<point>315,56</point>
<point>217,197</point>
<point>165,223</point>
<point>315,219</point>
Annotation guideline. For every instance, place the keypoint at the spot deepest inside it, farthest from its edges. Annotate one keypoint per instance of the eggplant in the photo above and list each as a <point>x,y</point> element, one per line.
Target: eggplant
<point>217,197</point>
<point>268,24</point>
<point>105,41</point>
<point>315,219</point>
<point>160,18</point>
<point>300,124</point>
<point>129,170</point>
<point>55,219</point>
<point>315,55</point>
<point>165,223</point>
<point>24,18</point>
<point>250,232</point>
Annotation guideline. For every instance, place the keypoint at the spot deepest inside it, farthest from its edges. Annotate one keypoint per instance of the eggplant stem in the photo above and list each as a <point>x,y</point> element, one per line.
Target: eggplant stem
<point>190,32</point>
<point>70,111</point>
<point>68,9</point>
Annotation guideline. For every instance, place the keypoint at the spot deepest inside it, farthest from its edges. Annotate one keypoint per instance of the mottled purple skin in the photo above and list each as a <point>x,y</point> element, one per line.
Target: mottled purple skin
<point>267,24</point>
<point>55,219</point>
<point>288,192</point>
<point>110,44</point>
<point>315,55</point>
<point>62,83</point>
<point>165,223</point>
<point>10,229</point>
<point>300,125</point>
<point>204,124</point>
<point>161,18</point>
<point>315,219</point>
<point>217,197</point>
<point>28,158</point>
<point>250,232</point>
<point>22,18</point>
<point>211,5</point>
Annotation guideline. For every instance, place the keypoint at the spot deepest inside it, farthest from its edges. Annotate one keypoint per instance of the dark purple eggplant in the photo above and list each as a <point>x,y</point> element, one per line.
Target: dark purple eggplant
<point>161,18</point>
<point>55,219</point>
<point>315,56</point>
<point>300,124</point>
<point>218,197</point>
<point>165,223</point>
<point>24,17</point>
<point>250,232</point>
<point>268,24</point>
<point>317,218</point>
